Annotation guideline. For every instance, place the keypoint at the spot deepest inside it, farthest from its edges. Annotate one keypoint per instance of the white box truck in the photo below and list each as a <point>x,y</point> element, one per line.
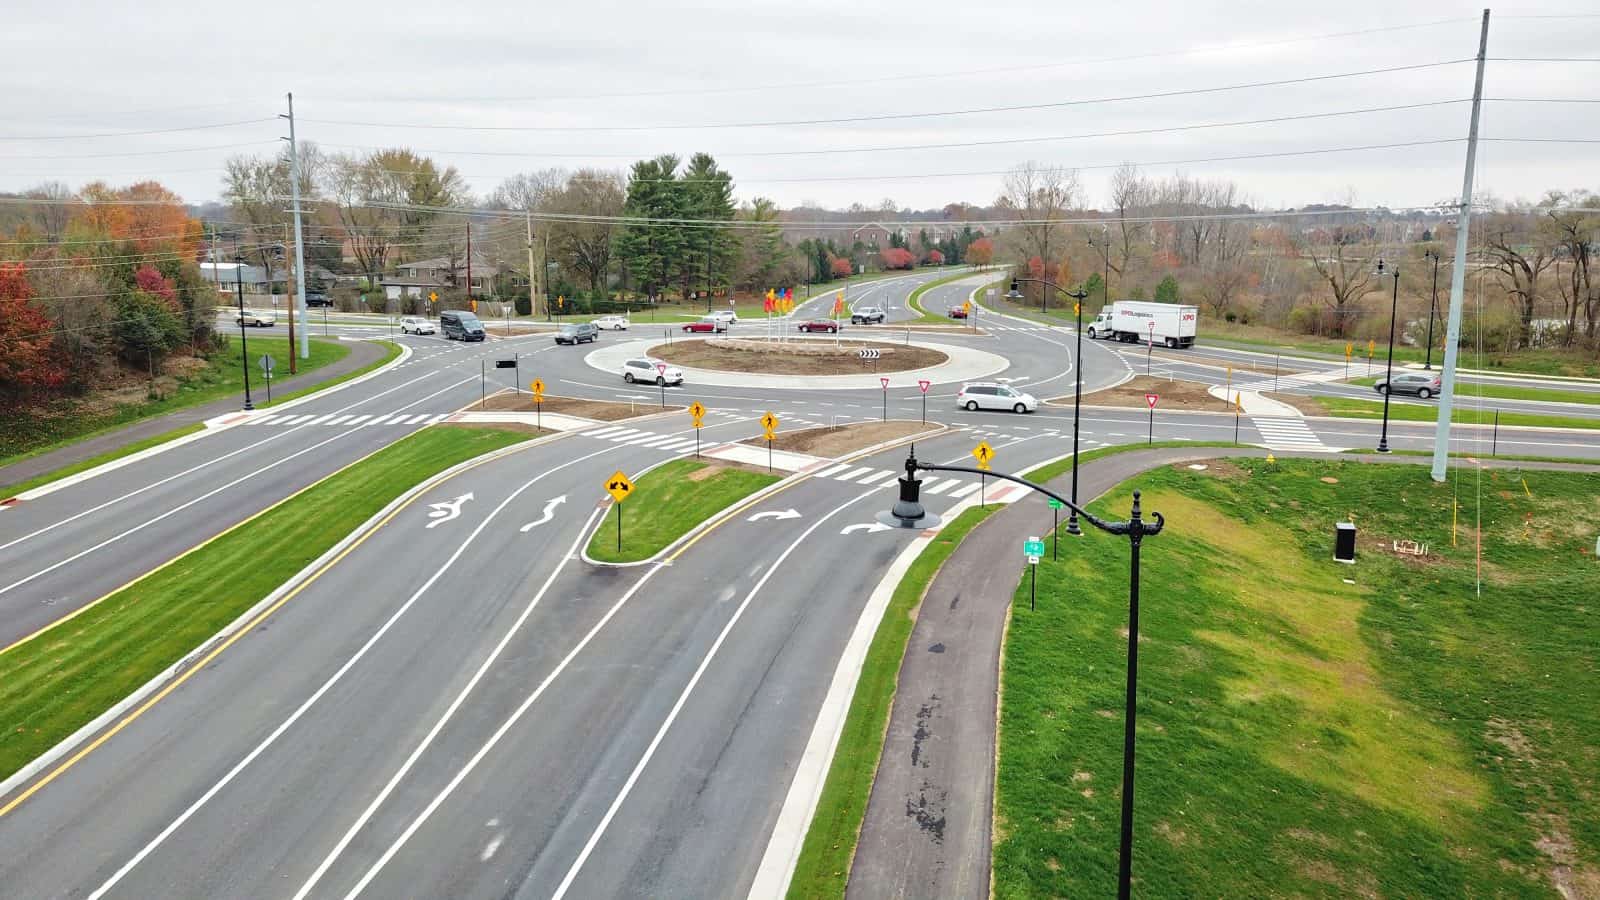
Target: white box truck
<point>1134,320</point>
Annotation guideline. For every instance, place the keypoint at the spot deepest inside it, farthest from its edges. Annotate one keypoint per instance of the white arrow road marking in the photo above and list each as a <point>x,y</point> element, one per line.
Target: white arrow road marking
<point>775,514</point>
<point>868,527</point>
<point>444,511</point>
<point>549,513</point>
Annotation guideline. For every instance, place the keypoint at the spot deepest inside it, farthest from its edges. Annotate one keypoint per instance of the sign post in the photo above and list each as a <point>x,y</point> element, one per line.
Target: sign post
<point>661,382</point>
<point>697,412</point>
<point>885,383</point>
<point>924,385</point>
<point>769,423</point>
<point>620,487</point>
<point>1238,407</point>
<point>267,363</point>
<point>1150,400</point>
<point>538,402</point>
<point>1371,347</point>
<point>1055,529</point>
<point>983,453</point>
<point>1033,548</point>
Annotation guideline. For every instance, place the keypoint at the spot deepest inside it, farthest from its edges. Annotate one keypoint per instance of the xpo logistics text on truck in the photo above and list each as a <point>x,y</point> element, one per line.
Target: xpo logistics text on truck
<point>1132,320</point>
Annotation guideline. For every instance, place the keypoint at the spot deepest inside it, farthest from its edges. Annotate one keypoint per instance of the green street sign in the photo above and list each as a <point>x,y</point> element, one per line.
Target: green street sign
<point>1033,547</point>
<point>1054,503</point>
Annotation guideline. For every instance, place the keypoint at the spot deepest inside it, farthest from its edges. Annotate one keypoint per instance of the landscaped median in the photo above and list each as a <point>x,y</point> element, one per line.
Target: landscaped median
<point>1395,727</point>
<point>824,865</point>
<point>1465,412</point>
<point>59,680</point>
<point>915,299</point>
<point>669,501</point>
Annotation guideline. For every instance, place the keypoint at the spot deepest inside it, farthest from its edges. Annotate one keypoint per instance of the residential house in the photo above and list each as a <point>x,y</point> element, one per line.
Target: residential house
<point>441,270</point>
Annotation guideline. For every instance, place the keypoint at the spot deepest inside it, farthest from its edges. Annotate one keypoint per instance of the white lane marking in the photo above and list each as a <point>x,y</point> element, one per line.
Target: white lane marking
<point>942,486</point>
<point>438,417</point>
<point>477,757</point>
<point>602,432</point>
<point>196,468</point>
<point>678,444</point>
<point>549,513</point>
<point>180,508</point>
<point>322,419</point>
<point>853,474</point>
<point>832,470</point>
<point>358,420</point>
<point>269,420</point>
<point>876,476</point>
<point>339,420</point>
<point>660,440</point>
<point>966,489</point>
<point>333,679</point>
<point>683,698</point>
<point>624,433</point>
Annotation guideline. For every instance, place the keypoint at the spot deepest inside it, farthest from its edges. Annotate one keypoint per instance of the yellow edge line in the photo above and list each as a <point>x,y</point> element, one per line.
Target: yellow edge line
<point>265,614</point>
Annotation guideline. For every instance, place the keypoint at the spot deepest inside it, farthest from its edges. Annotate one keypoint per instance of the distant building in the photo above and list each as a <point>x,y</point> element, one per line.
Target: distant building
<point>442,270</point>
<point>228,276</point>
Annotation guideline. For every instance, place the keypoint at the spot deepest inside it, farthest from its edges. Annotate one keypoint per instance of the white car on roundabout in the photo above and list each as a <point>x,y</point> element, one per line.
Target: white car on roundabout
<point>990,395</point>
<point>416,325</point>
<point>611,323</point>
<point>649,370</point>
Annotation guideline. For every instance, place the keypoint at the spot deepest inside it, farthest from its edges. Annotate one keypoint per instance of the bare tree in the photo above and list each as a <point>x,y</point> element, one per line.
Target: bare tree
<point>387,200</point>
<point>1574,232</point>
<point>1130,194</point>
<point>1036,196</point>
<point>53,216</point>
<point>1518,253</point>
<point>1347,264</point>
<point>585,246</point>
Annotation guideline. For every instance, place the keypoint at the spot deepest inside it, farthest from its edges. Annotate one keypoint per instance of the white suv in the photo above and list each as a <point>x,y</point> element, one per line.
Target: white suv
<point>611,323</point>
<point>416,325</point>
<point>256,318</point>
<point>986,395</point>
<point>649,369</point>
<point>725,315</point>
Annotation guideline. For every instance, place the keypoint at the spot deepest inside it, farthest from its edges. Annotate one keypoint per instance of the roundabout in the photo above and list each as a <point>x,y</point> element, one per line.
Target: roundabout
<point>806,363</point>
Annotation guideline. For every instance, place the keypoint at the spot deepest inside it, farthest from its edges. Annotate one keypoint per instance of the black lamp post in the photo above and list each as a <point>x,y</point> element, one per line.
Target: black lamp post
<point>244,348</point>
<point>908,513</point>
<point>1433,255</point>
<point>1388,374</point>
<point>1077,391</point>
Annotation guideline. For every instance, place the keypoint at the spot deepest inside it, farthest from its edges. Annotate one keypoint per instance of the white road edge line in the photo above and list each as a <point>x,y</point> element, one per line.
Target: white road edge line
<point>683,698</point>
<point>328,685</point>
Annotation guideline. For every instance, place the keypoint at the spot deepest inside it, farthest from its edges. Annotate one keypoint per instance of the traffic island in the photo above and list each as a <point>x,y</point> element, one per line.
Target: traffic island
<point>841,440</point>
<point>668,502</point>
<point>813,356</point>
<point>1181,396</point>
<point>598,410</point>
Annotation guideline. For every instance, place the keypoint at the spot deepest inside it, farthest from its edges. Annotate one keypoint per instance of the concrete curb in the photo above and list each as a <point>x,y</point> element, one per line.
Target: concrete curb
<point>811,773</point>
<point>210,429</point>
<point>25,774</point>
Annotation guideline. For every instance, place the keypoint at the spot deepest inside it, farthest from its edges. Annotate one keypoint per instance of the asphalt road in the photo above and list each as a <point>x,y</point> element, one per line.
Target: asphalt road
<point>470,710</point>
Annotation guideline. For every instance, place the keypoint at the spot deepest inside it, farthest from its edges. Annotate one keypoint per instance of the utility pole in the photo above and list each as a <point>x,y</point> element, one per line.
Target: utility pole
<point>1458,275</point>
<point>469,263</point>
<point>299,249</point>
<point>533,305</point>
<point>288,287</point>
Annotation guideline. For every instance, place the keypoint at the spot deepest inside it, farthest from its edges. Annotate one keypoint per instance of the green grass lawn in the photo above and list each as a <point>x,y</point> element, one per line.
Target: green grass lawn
<point>55,683</point>
<point>830,844</point>
<point>1508,392</point>
<point>1051,471</point>
<point>667,502</point>
<point>23,435</point>
<point>1347,408</point>
<point>1308,729</point>
<point>939,317</point>
<point>1536,361</point>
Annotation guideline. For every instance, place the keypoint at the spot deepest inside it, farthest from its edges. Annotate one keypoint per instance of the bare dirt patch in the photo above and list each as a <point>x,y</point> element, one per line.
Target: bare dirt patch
<point>796,357</point>
<point>1180,395</point>
<point>603,410</point>
<point>841,439</point>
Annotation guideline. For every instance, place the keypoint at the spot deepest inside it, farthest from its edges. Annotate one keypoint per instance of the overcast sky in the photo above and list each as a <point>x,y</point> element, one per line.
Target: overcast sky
<point>661,72</point>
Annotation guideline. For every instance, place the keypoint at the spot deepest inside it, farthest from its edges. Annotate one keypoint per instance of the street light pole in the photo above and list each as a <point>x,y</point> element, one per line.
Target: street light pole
<point>1434,255</point>
<point>244,343</point>
<point>1077,390</point>
<point>908,513</point>
<point>1388,375</point>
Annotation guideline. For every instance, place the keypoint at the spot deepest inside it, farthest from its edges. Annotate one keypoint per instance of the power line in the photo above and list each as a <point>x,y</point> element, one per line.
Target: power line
<point>884,117</point>
<point>137,152</point>
<point>106,134</point>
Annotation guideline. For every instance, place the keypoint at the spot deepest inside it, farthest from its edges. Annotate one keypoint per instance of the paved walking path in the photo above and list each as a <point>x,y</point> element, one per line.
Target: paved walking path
<point>927,827</point>
<point>361,353</point>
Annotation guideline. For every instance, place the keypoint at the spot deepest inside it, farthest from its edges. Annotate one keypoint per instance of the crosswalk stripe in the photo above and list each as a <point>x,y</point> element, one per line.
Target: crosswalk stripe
<point>929,482</point>
<point>879,475</point>
<point>676,444</point>
<point>438,417</point>
<point>602,432</point>
<point>659,441</point>
<point>378,420</point>
<point>338,420</point>
<point>833,470</point>
<point>419,418</point>
<point>965,490</point>
<point>640,438</point>
<point>624,433</point>
<point>265,420</point>
<point>853,474</point>
<point>358,420</point>
<point>297,420</point>
<point>321,419</point>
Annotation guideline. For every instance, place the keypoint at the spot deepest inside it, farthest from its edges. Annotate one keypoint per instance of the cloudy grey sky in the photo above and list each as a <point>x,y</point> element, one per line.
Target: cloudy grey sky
<point>496,88</point>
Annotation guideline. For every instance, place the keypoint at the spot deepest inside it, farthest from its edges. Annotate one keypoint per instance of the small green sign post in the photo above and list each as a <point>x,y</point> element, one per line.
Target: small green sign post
<point>1033,548</point>
<point>1055,528</point>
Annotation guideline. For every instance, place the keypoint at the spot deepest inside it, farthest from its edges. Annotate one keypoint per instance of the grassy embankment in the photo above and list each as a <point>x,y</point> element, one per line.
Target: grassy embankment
<point>63,678</point>
<point>669,501</point>
<point>1308,728</point>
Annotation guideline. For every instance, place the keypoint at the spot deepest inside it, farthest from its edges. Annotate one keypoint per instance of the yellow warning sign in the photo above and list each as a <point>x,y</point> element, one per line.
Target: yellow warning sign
<point>619,486</point>
<point>770,423</point>
<point>983,453</point>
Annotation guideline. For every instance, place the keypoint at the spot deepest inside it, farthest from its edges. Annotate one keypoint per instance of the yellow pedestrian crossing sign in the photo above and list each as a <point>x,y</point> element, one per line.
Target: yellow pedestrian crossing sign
<point>537,386</point>
<point>619,486</point>
<point>983,452</point>
<point>433,296</point>
<point>697,412</point>
<point>770,423</point>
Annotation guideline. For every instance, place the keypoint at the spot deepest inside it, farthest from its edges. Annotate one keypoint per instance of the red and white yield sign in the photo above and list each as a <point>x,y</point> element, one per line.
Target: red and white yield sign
<point>661,368</point>
<point>884,382</point>
<point>1151,399</point>
<point>924,385</point>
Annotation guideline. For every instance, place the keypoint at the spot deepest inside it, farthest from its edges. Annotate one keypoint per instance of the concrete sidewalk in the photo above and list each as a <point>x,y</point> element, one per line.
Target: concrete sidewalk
<point>362,353</point>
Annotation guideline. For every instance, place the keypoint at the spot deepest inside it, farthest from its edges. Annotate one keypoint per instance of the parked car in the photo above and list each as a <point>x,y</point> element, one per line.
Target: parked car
<point>1423,385</point>
<point>651,370</point>
<point>726,316</point>
<point>611,323</point>
<point>317,298</point>
<point>866,315</point>
<point>460,325</point>
<point>577,334</point>
<point>416,325</point>
<point>958,312</point>
<point>256,318</point>
<point>987,395</point>
<point>819,325</point>
<point>709,324</point>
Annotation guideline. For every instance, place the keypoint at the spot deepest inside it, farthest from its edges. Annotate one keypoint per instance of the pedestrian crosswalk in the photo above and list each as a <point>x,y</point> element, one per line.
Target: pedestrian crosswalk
<point>347,420</point>
<point>1287,434</point>
<point>640,437</point>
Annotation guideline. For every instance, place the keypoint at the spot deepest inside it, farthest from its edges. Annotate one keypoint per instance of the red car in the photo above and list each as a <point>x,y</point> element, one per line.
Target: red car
<point>816,325</point>
<point>958,312</point>
<point>715,326</point>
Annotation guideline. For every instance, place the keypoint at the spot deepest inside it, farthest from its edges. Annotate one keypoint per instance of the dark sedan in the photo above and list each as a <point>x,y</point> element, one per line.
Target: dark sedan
<point>1424,386</point>
<point>820,325</point>
<point>957,312</point>
<point>707,325</point>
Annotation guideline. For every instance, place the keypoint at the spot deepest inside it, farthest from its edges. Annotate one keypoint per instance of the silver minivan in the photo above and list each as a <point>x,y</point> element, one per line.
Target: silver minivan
<point>987,395</point>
